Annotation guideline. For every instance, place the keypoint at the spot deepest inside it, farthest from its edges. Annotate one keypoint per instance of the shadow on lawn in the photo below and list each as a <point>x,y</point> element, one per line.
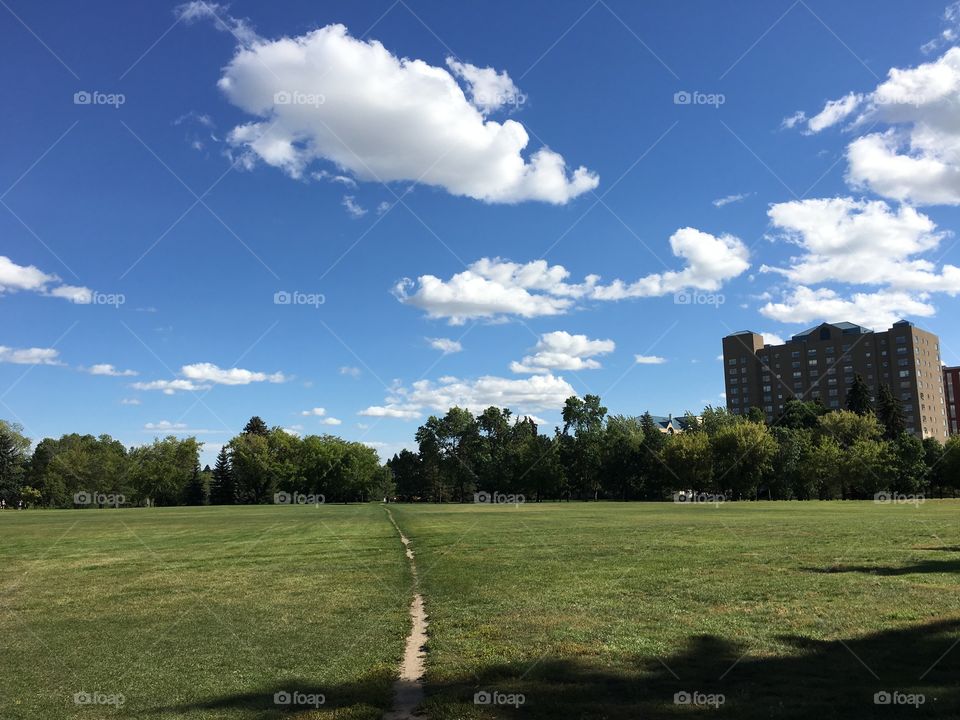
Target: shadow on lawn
<point>924,566</point>
<point>822,680</point>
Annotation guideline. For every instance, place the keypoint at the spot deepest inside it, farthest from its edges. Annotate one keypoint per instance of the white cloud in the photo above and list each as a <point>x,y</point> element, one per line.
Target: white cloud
<point>29,356</point>
<point>222,21</point>
<point>861,242</point>
<point>916,159</point>
<point>950,32</point>
<point>391,411</point>
<point>30,278</point>
<point>170,387</point>
<point>833,112</point>
<point>728,199</point>
<point>208,372</point>
<point>110,370</point>
<point>378,117</point>
<point>165,425</point>
<point>130,401</point>
<point>878,310</point>
<point>649,360</point>
<point>769,339</point>
<point>489,90</point>
<point>495,288</point>
<point>445,345</point>
<point>793,120</point>
<point>490,288</point>
<point>562,351</point>
<point>78,295</point>
<point>350,371</point>
<point>321,413</point>
<point>354,209</point>
<point>15,277</point>
<point>538,392</point>
<point>711,261</point>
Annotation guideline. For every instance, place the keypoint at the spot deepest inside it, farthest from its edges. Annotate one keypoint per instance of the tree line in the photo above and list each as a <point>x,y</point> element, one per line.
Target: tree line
<point>807,453</point>
<point>253,467</point>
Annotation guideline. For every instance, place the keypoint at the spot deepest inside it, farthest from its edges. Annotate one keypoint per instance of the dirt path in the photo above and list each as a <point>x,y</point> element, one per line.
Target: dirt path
<point>408,688</point>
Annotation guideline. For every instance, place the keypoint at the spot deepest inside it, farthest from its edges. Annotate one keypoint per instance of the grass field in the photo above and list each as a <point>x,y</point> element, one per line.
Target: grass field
<point>787,610</point>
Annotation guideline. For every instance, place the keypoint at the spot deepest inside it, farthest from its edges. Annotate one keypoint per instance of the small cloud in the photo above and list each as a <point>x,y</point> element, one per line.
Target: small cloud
<point>445,345</point>
<point>383,207</point>
<point>401,412</point>
<point>165,425</point>
<point>109,370</point>
<point>350,371</point>
<point>130,401</point>
<point>649,360</point>
<point>316,412</point>
<point>798,118</point>
<point>331,421</point>
<point>720,202</point>
<point>30,356</point>
<point>354,209</point>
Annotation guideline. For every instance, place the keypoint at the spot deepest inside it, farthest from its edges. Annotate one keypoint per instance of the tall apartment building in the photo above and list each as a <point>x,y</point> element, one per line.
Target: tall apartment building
<point>822,362</point>
<point>951,392</point>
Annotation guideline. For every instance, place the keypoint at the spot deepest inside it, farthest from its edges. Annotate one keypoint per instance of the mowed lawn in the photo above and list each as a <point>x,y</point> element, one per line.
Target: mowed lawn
<point>790,610</point>
<point>590,610</point>
<point>200,612</point>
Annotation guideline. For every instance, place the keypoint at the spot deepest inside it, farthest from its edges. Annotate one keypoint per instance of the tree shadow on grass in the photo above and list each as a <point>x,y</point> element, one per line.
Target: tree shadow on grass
<point>924,566</point>
<point>818,679</point>
<point>294,698</point>
<point>825,680</point>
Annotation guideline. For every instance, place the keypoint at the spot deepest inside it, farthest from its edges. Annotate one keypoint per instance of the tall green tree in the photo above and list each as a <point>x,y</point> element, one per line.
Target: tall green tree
<point>743,455</point>
<point>13,460</point>
<point>859,398</point>
<point>256,426</point>
<point>890,414</point>
<point>583,421</point>
<point>196,491</point>
<point>222,487</point>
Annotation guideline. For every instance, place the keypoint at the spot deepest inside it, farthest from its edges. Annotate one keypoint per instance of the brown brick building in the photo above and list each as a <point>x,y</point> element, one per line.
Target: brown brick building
<point>951,393</point>
<point>822,362</point>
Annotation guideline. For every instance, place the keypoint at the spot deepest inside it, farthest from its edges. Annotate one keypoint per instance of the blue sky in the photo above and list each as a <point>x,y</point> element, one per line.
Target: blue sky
<point>228,154</point>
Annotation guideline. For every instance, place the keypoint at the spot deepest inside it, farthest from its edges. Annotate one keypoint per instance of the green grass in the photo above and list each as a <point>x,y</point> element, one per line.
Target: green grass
<point>606,610</point>
<point>200,612</point>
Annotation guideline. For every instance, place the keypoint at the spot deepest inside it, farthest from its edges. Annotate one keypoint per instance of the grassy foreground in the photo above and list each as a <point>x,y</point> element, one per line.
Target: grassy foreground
<point>200,612</point>
<point>787,610</point>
